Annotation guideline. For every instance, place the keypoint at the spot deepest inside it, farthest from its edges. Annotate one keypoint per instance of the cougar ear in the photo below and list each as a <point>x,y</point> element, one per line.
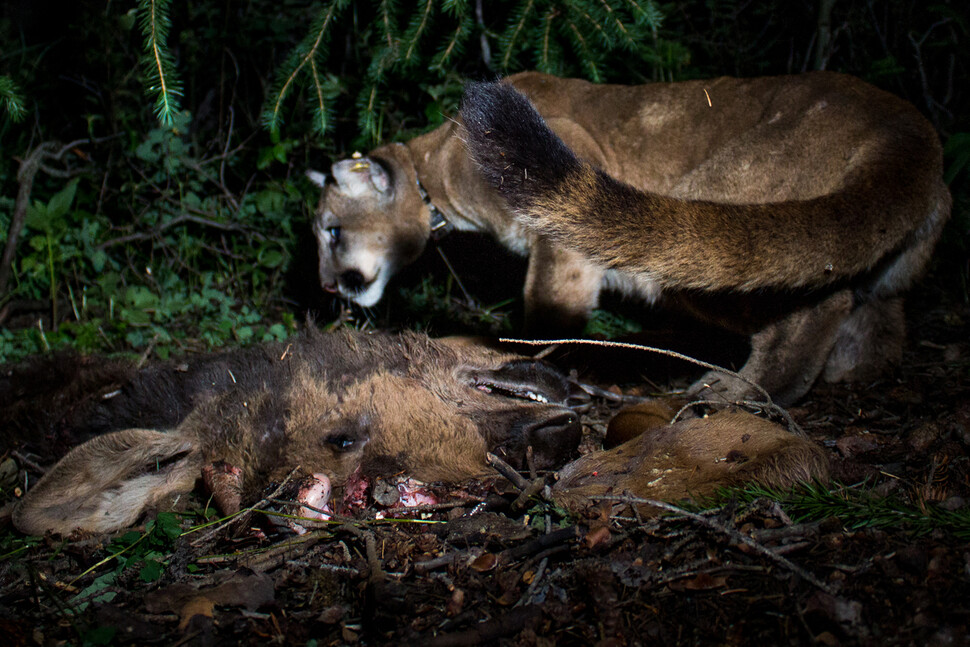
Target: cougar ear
<point>359,176</point>
<point>108,482</point>
<point>317,177</point>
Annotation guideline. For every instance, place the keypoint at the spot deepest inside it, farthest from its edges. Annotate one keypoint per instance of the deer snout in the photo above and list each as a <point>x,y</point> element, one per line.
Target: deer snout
<point>554,438</point>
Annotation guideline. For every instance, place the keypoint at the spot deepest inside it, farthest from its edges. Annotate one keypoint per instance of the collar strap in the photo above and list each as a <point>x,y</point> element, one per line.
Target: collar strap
<point>440,227</point>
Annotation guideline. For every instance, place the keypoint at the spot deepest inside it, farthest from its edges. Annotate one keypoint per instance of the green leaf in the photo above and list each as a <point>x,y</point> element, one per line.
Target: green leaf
<point>59,204</point>
<point>151,571</point>
<point>270,257</point>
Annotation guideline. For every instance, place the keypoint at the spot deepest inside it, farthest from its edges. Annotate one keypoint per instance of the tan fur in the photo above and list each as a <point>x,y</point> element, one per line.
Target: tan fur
<point>691,459</point>
<point>433,415</point>
<point>757,205</point>
<point>794,209</point>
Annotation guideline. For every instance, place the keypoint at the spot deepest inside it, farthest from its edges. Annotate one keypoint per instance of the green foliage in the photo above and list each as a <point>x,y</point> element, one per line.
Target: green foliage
<point>11,99</point>
<point>181,237</point>
<point>157,60</point>
<point>433,306</point>
<point>403,43</point>
<point>858,508</point>
<point>957,153</point>
<point>606,324</point>
<point>157,280</point>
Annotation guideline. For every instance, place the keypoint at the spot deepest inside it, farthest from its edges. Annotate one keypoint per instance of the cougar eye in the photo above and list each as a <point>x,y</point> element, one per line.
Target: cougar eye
<point>334,234</point>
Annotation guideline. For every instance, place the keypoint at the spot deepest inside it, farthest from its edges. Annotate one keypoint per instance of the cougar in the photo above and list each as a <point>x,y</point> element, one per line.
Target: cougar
<point>793,209</point>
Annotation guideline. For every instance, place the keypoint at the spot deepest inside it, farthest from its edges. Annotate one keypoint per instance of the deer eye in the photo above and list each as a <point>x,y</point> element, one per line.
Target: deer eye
<point>343,442</point>
<point>334,234</point>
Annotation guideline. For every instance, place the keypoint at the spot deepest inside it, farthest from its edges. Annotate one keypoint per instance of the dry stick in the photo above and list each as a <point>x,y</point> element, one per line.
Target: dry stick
<point>507,471</point>
<point>768,403</point>
<point>733,534</point>
<point>25,176</point>
<point>468,297</point>
<point>243,514</point>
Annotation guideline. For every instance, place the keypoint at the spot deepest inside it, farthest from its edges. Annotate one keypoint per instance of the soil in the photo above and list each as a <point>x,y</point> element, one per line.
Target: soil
<point>483,571</point>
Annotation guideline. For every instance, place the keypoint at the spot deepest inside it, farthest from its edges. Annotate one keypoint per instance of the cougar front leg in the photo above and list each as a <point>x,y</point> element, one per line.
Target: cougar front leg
<point>561,289</point>
<point>786,356</point>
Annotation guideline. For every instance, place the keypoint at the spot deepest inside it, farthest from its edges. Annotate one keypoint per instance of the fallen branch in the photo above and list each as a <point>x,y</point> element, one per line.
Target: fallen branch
<point>507,471</point>
<point>732,533</point>
<point>768,402</point>
<point>244,514</point>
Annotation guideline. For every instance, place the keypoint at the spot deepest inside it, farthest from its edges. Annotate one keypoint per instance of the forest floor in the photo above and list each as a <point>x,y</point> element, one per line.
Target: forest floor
<point>895,571</point>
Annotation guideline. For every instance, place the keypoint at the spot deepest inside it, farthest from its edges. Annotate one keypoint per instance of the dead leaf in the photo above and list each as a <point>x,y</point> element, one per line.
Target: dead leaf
<point>249,591</point>
<point>484,562</point>
<point>700,582</point>
<point>197,606</point>
<point>596,537</point>
<point>456,603</point>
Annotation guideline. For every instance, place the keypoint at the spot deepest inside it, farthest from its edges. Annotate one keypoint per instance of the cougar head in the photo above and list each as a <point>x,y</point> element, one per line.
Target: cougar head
<point>370,222</point>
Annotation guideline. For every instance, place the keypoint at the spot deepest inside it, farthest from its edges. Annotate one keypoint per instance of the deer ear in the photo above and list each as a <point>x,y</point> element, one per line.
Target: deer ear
<point>108,482</point>
<point>361,176</point>
<point>317,177</point>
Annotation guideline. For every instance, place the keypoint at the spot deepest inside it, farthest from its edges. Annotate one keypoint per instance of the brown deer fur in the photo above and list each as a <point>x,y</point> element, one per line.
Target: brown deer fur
<point>329,404</point>
<point>691,459</point>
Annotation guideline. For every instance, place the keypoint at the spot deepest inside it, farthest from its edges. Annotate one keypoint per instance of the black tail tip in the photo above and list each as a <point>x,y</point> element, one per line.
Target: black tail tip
<point>508,138</point>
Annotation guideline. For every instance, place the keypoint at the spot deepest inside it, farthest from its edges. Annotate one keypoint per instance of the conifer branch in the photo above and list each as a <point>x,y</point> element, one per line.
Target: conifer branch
<point>387,9</point>
<point>587,58</point>
<point>304,55</point>
<point>12,99</point>
<point>155,23</point>
<point>621,29</point>
<point>454,45</point>
<point>544,64</point>
<point>416,30</point>
<point>517,27</point>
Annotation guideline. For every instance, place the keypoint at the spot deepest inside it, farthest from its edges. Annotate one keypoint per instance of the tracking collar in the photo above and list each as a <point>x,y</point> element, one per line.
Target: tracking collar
<point>440,227</point>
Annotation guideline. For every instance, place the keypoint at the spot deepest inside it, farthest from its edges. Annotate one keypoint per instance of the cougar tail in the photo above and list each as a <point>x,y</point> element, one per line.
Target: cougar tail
<point>514,148</point>
<point>547,186</point>
<point>881,209</point>
<point>107,483</point>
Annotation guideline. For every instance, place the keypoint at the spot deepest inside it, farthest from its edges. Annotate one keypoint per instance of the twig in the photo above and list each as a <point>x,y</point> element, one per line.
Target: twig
<point>428,565</point>
<point>28,462</point>
<point>468,297</point>
<point>243,514</point>
<point>732,533</point>
<point>507,471</point>
<point>599,392</point>
<point>769,403</point>
<point>531,490</point>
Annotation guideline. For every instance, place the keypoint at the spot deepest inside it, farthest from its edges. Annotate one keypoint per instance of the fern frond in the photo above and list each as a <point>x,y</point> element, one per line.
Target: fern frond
<point>12,99</point>
<point>157,61</point>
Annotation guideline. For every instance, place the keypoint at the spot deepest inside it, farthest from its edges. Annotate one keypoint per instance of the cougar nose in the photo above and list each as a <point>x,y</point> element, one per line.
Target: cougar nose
<point>352,280</point>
